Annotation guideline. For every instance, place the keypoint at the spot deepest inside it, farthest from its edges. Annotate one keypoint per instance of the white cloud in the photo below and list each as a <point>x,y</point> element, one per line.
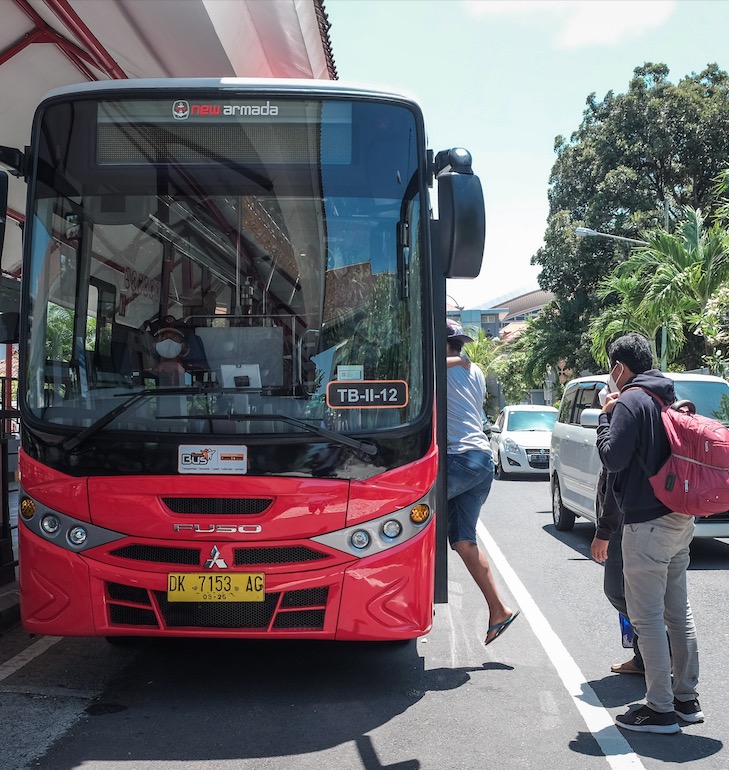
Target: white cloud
<point>583,23</point>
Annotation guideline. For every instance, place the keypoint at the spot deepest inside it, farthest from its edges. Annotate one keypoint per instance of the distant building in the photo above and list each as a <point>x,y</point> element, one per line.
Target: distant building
<point>506,318</point>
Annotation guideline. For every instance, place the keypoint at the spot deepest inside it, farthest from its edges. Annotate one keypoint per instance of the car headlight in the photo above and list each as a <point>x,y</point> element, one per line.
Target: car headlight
<point>511,446</point>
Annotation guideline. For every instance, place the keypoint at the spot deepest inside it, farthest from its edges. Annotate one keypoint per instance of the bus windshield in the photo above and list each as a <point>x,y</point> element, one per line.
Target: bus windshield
<point>232,258</point>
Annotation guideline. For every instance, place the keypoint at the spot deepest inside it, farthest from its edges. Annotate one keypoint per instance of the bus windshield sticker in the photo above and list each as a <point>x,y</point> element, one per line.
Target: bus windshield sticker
<point>350,372</point>
<point>198,458</point>
<point>367,394</point>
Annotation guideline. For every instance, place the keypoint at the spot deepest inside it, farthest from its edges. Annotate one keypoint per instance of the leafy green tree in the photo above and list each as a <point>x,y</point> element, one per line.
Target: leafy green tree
<point>682,270</point>
<point>510,372</point>
<point>667,282</point>
<point>714,323</point>
<point>59,339</point>
<point>714,326</point>
<point>484,351</point>
<point>629,315</point>
<point>634,163</point>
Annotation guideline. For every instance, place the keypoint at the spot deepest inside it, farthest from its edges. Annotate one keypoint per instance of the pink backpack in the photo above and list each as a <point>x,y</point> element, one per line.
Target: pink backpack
<point>695,478</point>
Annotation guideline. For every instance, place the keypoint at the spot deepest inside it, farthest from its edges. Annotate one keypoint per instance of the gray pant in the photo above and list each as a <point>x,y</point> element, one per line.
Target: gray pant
<point>655,560</point>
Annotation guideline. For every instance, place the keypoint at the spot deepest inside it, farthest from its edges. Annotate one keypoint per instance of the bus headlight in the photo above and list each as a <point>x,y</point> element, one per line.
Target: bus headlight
<point>392,529</point>
<point>50,524</point>
<point>77,536</point>
<point>360,539</point>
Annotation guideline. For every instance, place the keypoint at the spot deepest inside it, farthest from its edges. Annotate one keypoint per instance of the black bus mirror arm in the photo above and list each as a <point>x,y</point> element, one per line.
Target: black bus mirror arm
<point>14,159</point>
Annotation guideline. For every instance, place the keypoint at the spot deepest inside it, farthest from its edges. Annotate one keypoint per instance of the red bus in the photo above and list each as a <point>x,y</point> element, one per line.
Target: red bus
<point>231,306</point>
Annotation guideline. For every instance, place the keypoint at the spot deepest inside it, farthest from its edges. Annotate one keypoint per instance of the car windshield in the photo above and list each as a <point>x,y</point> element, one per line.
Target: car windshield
<point>531,420</point>
<point>711,399</point>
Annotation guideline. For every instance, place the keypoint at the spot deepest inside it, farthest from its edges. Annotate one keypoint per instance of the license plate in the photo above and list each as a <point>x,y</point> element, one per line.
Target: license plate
<point>216,587</point>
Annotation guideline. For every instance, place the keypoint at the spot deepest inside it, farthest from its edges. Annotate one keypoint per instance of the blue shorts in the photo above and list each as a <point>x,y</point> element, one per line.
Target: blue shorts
<point>469,478</point>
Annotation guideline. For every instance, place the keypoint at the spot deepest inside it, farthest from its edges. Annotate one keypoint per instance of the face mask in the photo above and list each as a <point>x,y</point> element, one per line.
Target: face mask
<point>602,395</point>
<point>612,385</point>
<point>168,348</point>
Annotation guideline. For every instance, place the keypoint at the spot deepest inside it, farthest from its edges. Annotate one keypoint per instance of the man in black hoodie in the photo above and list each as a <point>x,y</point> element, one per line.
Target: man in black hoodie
<point>655,540</point>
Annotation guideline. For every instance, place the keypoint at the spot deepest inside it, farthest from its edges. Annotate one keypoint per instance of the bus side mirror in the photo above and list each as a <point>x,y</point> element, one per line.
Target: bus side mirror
<point>9,328</point>
<point>461,229</point>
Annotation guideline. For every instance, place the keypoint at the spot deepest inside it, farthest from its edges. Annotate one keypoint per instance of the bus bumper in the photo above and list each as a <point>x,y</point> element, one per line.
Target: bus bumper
<point>387,596</point>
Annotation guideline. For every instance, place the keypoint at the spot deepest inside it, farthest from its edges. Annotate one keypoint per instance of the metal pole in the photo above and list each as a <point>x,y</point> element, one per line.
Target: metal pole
<point>586,232</point>
<point>7,559</point>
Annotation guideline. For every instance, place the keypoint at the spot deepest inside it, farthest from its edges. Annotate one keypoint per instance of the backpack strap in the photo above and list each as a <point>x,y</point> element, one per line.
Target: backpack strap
<point>683,405</point>
<point>661,403</point>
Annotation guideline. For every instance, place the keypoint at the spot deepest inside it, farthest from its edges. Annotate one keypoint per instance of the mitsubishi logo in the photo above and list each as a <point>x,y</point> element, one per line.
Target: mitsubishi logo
<point>215,560</point>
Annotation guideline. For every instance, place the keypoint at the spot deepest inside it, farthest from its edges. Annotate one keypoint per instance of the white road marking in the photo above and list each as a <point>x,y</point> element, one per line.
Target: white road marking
<point>616,749</point>
<point>13,665</point>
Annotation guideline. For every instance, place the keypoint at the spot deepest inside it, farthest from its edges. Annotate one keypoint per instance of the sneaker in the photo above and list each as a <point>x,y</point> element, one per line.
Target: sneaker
<point>688,710</point>
<point>629,667</point>
<point>645,720</point>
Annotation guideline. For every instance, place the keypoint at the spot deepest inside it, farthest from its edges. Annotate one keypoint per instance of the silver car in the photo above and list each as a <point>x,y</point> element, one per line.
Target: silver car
<point>574,463</point>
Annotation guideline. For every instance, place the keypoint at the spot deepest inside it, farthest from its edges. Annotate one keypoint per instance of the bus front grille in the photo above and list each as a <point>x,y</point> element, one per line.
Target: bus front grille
<point>298,610</point>
<point>217,506</point>
<point>303,620</point>
<point>292,554</point>
<point>252,615</point>
<point>163,554</point>
<point>271,555</point>
<point>121,615</point>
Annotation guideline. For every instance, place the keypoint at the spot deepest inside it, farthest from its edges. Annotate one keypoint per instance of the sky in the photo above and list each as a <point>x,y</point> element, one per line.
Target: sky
<point>503,78</point>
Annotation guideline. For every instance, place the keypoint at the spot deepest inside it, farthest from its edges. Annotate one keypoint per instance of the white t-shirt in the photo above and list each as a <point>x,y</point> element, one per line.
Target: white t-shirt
<point>466,392</point>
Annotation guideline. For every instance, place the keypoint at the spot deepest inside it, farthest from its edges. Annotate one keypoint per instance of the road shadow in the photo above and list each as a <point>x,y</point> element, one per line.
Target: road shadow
<point>708,553</point>
<point>620,692</point>
<point>681,748</point>
<point>578,539</point>
<point>221,700</point>
<point>616,690</point>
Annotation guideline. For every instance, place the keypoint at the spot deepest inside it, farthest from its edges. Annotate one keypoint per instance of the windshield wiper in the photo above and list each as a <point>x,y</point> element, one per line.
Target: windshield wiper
<point>338,438</point>
<point>75,441</point>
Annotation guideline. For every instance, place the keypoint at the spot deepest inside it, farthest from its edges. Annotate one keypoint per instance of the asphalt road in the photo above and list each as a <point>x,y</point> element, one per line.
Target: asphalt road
<point>540,697</point>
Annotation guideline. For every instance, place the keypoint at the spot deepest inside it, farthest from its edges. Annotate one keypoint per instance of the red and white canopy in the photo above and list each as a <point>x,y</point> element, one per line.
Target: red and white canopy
<point>49,43</point>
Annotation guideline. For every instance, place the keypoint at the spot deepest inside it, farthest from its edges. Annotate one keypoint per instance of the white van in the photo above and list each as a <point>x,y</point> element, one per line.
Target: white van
<point>574,463</point>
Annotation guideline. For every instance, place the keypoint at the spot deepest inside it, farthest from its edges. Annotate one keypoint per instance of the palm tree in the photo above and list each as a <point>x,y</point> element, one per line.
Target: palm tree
<point>485,351</point>
<point>629,315</point>
<point>680,271</point>
<point>667,283</point>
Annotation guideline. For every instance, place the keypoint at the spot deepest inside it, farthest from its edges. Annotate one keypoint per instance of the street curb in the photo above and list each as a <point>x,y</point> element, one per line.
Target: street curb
<point>9,607</point>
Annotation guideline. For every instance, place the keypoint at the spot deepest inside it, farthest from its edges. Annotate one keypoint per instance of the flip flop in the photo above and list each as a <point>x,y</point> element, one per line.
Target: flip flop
<point>500,627</point>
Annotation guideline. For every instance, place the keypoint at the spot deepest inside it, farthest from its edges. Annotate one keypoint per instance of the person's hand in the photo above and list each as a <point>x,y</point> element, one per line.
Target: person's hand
<point>599,550</point>
<point>610,402</point>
